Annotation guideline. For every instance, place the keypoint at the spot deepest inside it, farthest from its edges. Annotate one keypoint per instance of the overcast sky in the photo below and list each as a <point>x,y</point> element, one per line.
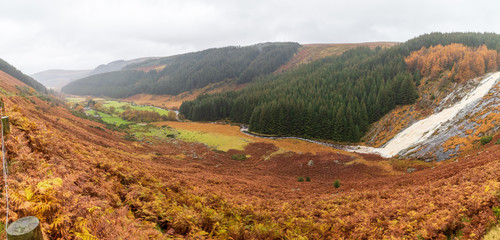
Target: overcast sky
<point>81,34</point>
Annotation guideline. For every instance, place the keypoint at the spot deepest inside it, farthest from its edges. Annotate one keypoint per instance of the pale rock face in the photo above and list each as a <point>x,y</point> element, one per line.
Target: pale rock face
<point>422,130</point>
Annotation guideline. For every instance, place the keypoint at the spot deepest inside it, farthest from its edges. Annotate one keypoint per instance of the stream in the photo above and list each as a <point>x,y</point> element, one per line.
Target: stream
<point>418,131</point>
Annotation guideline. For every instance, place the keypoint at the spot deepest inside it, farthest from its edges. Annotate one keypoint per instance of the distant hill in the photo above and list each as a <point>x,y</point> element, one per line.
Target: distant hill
<point>118,65</point>
<point>58,78</point>
<point>186,72</point>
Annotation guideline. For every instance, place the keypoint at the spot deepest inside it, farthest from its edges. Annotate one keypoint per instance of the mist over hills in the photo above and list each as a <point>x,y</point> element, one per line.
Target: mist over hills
<point>58,78</point>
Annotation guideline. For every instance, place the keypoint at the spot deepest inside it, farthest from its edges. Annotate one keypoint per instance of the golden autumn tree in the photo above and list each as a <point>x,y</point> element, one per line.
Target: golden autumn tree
<point>462,62</point>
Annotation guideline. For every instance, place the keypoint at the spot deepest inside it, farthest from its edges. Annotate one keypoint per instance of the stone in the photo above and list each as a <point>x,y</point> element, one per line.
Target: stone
<point>310,163</point>
<point>410,170</point>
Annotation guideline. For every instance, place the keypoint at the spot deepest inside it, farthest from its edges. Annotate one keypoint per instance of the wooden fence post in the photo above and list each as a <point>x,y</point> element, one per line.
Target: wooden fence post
<point>5,125</point>
<point>26,228</point>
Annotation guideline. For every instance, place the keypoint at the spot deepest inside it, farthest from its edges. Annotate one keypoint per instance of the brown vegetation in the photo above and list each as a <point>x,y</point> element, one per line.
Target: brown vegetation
<point>85,182</point>
<point>9,83</point>
<point>292,145</point>
<point>311,52</point>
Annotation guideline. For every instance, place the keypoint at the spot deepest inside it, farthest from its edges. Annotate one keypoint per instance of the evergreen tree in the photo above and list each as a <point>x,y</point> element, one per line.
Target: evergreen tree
<point>338,97</point>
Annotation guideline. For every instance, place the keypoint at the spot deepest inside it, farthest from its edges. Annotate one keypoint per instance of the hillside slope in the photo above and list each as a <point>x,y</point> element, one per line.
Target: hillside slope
<point>337,98</point>
<point>305,54</point>
<point>185,72</point>
<point>312,52</point>
<point>84,181</point>
<point>12,71</point>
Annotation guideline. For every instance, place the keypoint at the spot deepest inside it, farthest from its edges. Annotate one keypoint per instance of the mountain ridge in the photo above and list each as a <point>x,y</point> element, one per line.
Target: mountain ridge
<point>305,54</point>
<point>188,71</point>
<point>58,78</point>
<point>337,98</point>
<point>71,170</point>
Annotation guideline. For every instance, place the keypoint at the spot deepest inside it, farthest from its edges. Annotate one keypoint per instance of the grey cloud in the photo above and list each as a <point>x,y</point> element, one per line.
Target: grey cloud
<point>78,34</point>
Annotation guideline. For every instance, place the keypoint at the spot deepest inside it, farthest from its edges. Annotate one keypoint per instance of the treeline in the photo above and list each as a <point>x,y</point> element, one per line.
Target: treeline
<point>11,70</point>
<point>334,98</point>
<point>111,84</point>
<point>463,62</point>
<point>188,71</point>
<point>471,39</point>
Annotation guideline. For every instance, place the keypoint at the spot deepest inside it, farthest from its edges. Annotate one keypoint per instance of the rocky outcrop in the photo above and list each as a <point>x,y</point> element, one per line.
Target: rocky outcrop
<point>440,129</point>
<point>478,119</point>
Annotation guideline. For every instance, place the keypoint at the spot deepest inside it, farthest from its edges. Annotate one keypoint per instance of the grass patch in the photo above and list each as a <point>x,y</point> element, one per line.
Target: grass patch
<point>215,140</point>
<point>115,104</point>
<point>150,132</point>
<point>75,99</point>
<point>239,157</point>
<point>300,179</point>
<point>119,107</point>
<point>152,109</point>
<point>109,118</point>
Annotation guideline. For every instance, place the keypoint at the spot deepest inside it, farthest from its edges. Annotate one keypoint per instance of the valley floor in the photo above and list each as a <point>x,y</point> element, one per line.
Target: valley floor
<point>86,182</point>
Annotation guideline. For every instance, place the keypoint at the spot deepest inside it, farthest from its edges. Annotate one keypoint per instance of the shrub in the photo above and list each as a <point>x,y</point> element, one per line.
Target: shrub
<point>171,135</point>
<point>308,179</point>
<point>497,142</point>
<point>486,139</point>
<point>496,212</point>
<point>336,184</point>
<point>239,157</point>
<point>129,137</point>
<point>300,179</point>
